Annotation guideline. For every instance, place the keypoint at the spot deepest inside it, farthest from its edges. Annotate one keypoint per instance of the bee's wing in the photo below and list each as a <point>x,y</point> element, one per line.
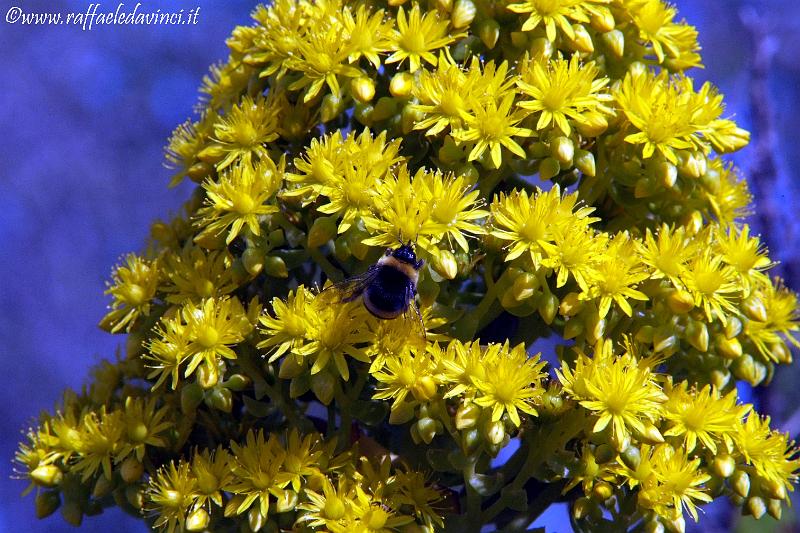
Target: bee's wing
<point>349,289</point>
<point>413,318</point>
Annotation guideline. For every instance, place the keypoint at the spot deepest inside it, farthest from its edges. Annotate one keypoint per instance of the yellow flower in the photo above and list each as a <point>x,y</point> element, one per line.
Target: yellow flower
<point>99,439</point>
<point>133,289</point>
<point>211,469</point>
<point>145,426</point>
<point>214,325</point>
<point>529,221</point>
<point>713,285</point>
<point>166,351</point>
<point>413,373</point>
<point>616,272</point>
<point>512,383</point>
<point>289,327</point>
<point>339,330</point>
<point>703,415</point>
<point>783,316</point>
<point>747,256</point>
<point>445,96</point>
<point>241,134</point>
<point>555,14</point>
<point>417,36</point>
<point>329,509</point>
<point>302,457</point>
<point>668,254</point>
<point>771,453</point>
<point>676,483</point>
<point>170,495</point>
<point>239,198</point>
<point>573,252</point>
<point>258,473</point>
<point>730,199</point>
<point>185,145</point>
<point>464,365</point>
<point>620,390</point>
<point>654,18</point>
<point>365,33</point>
<point>194,274</point>
<point>493,126</point>
<point>669,115</point>
<point>414,489</point>
<point>560,90</point>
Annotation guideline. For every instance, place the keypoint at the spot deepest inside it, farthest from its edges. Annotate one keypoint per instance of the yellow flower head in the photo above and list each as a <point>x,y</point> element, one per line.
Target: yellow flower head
<point>241,135</point>
<point>713,285</point>
<point>771,453</point>
<point>654,19</point>
<point>667,253</point>
<point>133,289</point>
<point>616,273</point>
<point>288,328</point>
<point>417,37</point>
<point>556,15</point>
<point>407,373</point>
<point>676,483</point>
<point>512,383</point>
<point>366,33</point>
<point>560,90</point>
<point>170,495</point>
<point>239,198</point>
<point>195,274</point>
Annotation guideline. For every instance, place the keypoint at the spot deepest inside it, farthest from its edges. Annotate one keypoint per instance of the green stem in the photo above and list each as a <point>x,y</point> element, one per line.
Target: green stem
<point>473,498</point>
<point>343,402</point>
<point>331,271</point>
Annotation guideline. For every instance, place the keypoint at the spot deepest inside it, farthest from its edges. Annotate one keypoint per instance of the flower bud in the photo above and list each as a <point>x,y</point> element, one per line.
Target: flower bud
<point>677,525</point>
<point>331,107</point>
<point>135,496</point>
<point>467,416</point>
<point>632,457</point>
<point>584,161</point>
<point>548,307</point>
<point>253,260</point>
<point>573,328</point>
<point>548,169</point>
<point>427,429</point>
<point>197,520</point>
<point>463,14</point>
<point>653,526</point>
<point>237,382</point>
<point>541,49</point>
<point>322,384</point>
<point>221,399</point>
<point>46,503</point>
<point>286,502</point>
<point>584,507</point>
<point>102,487</point>
<point>733,328</point>
<point>756,506</point>
<point>774,489</point>
<point>582,41</point>
<point>754,308</point>
<point>524,286</point>
<point>72,514</point>
<point>363,113</point>
<point>591,124</point>
<point>728,348</point>
<point>385,108</point>
<point>47,475</point>
<point>645,334</point>
<point>191,396</point>
<point>774,508</point>
<point>723,465</point>
<point>780,352</point>
<point>697,335</point>
<point>409,117</point>
<point>489,32</point>
<point>664,339</point>
<point>748,369</point>
<point>425,389</point>
<point>444,263</point>
<point>644,187</point>
<point>740,483</point>
<point>445,6</point>
<point>604,454</point>
<point>693,222</point>
<point>322,230</point>
<point>401,85</point>
<point>255,519</point>
<point>401,413</point>
<point>667,174</point>
<point>615,42</point>
<point>680,302</point>
<point>275,267</point>
<point>131,470</point>
<point>207,375</point>
<point>720,377</point>
<point>563,150</point>
<point>200,171</point>
<point>602,491</point>
<point>363,89</point>
<point>602,20</point>
<point>495,432</point>
<point>650,435</point>
<point>471,440</point>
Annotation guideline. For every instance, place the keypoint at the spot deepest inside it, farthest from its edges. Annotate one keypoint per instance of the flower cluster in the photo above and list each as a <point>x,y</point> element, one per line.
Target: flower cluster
<point>257,391</point>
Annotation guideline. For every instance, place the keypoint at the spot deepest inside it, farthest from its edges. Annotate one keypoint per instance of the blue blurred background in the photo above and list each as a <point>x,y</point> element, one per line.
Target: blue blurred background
<point>83,121</point>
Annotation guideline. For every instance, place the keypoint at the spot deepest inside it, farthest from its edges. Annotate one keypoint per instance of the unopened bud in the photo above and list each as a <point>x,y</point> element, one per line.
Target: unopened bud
<point>780,352</point>
<point>524,286</point>
<point>286,501</point>
<point>463,14</point>
<point>584,161</point>
<point>46,503</point>
<point>548,169</point>
<point>331,107</point>
<point>570,305</point>
<point>756,506</point>
<point>754,308</point>
<point>541,49</point>
<point>697,335</point>
<point>723,465</point>
<point>774,508</point>
<point>322,230</point>
<point>582,40</point>
<point>573,328</point>
<point>401,84</point>
<point>401,413</point>
<point>255,519</point>
<point>680,302</point>
<point>733,328</point>
<point>602,20</point>
<point>72,513</point>
<point>467,416</point>
<point>650,435</point>
<point>322,384</point>
<point>632,457</point>
<point>445,264</point>
<point>275,267</point>
<point>667,174</point>
<point>47,475</point>
<point>664,339</point>
<point>131,470</point>
<point>489,32</point>
<point>592,124</point>
<point>740,483</point>
<point>427,429</point>
<point>748,369</point>
<point>191,396</point>
<point>221,399</point>
<point>207,375</point>
<point>615,42</point>
<point>495,432</point>
<point>563,150</point>
<point>548,307</point>
<point>197,520</point>
<point>774,489</point>
<point>602,491</point>
<point>363,89</point>
<point>728,348</point>
<point>253,261</point>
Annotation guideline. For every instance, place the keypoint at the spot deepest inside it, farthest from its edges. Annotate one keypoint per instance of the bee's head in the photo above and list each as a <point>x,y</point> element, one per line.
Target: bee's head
<point>405,253</point>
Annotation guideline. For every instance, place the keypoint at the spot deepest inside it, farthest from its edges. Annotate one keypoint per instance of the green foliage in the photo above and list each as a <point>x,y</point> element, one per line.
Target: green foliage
<point>249,400</point>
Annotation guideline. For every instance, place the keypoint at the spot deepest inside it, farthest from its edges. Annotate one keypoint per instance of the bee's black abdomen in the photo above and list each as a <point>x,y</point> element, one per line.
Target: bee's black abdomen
<point>389,293</point>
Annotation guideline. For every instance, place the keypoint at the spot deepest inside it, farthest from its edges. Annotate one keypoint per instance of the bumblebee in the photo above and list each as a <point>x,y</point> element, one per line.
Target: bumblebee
<point>388,287</point>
